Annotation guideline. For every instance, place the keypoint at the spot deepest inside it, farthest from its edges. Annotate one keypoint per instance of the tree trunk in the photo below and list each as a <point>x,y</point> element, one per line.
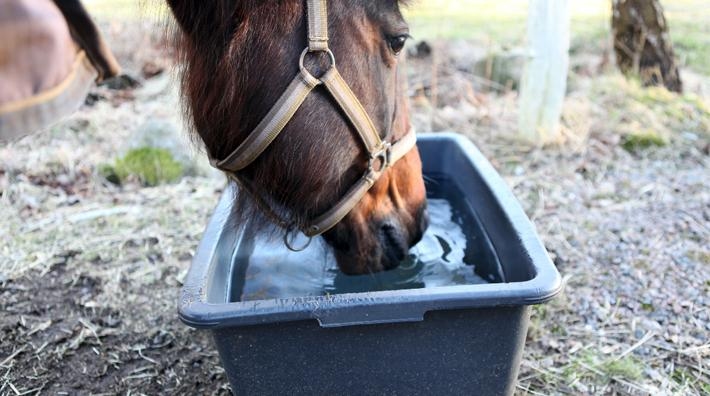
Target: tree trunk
<point>642,44</point>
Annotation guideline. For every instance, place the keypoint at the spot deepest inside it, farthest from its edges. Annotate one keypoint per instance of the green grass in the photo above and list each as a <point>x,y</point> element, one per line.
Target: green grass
<point>503,22</point>
<point>690,32</point>
<point>689,382</point>
<point>499,22</point>
<point>482,20</point>
<point>629,367</point>
<point>592,368</point>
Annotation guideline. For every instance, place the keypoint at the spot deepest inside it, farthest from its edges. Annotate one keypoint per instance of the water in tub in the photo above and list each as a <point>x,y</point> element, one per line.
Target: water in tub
<point>444,257</point>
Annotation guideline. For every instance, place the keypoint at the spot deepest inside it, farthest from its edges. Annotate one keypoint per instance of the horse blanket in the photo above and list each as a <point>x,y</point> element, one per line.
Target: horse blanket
<point>50,55</point>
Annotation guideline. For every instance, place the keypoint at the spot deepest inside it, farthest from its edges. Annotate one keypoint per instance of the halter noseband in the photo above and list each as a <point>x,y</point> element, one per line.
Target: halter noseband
<point>381,155</point>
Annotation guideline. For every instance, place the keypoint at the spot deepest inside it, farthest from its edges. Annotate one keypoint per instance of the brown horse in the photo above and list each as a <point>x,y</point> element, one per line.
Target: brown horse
<point>239,56</point>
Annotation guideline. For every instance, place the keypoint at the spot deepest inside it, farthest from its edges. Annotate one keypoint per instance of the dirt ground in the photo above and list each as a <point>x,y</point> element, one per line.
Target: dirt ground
<point>90,271</point>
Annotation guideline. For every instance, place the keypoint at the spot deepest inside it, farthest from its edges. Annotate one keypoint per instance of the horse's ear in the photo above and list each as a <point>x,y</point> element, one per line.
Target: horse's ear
<point>199,16</point>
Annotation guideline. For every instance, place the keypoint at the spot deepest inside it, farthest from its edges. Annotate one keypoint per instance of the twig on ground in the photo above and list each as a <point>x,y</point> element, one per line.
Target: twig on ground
<point>640,342</point>
<point>12,355</point>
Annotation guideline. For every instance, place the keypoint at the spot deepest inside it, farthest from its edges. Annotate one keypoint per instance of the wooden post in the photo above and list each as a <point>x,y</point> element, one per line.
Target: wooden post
<point>544,82</point>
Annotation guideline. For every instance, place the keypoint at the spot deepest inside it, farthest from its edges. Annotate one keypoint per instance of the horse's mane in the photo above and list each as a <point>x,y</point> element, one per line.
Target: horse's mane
<point>214,83</point>
<point>214,76</point>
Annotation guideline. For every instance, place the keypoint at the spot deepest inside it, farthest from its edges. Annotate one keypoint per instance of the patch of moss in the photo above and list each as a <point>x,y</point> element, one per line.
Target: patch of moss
<point>700,256</point>
<point>688,382</point>
<point>152,166</point>
<point>634,142</point>
<point>649,117</point>
<point>628,368</point>
<point>109,173</point>
<point>653,95</point>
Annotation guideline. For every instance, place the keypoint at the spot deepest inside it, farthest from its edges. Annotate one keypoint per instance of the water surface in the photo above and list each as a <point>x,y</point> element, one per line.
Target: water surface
<point>453,251</point>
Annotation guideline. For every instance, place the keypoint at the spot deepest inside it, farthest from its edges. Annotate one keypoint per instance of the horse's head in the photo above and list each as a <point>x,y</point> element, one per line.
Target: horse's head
<point>240,56</point>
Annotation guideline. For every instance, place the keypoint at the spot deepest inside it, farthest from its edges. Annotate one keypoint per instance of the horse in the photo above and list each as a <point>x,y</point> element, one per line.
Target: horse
<point>53,53</point>
<point>238,59</point>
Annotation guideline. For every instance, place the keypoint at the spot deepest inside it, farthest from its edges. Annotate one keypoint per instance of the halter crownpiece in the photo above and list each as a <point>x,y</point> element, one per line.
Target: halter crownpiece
<point>381,155</point>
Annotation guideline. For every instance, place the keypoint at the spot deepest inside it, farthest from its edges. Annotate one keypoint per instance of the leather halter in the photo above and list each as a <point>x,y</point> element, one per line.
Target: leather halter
<point>381,154</point>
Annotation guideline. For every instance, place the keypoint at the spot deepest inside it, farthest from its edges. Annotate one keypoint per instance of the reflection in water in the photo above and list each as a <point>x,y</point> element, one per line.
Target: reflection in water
<point>438,260</point>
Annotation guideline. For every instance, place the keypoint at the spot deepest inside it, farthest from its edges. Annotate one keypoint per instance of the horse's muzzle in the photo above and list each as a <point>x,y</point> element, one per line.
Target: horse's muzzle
<point>396,242</point>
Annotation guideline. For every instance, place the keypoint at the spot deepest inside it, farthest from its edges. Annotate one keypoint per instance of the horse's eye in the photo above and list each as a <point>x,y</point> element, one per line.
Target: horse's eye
<point>397,42</point>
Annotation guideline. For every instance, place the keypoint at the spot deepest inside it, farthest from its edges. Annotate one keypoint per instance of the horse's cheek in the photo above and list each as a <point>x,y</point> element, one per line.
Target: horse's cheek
<point>400,192</point>
<point>411,181</point>
<point>377,204</point>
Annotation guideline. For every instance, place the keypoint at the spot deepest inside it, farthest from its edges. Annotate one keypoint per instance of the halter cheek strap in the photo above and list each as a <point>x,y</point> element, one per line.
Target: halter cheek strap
<point>381,155</point>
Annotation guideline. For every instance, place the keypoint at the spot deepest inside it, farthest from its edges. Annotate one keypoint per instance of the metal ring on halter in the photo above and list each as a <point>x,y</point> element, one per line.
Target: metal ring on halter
<point>290,237</point>
<point>381,160</point>
<point>303,59</point>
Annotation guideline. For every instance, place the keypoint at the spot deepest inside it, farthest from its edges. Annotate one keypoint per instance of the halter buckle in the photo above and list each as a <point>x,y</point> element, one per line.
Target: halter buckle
<point>380,160</point>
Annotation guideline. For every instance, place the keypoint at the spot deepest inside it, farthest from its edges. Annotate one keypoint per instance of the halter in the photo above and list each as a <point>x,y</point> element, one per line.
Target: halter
<point>381,154</point>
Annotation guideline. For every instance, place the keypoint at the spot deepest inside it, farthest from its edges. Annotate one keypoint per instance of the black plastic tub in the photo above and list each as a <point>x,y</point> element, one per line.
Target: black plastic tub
<point>453,340</point>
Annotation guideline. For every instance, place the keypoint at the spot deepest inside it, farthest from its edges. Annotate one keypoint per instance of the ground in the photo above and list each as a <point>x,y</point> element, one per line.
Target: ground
<point>90,271</point>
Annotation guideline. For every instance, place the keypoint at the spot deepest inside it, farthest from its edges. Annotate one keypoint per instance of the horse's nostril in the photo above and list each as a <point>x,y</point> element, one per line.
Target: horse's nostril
<point>394,245</point>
